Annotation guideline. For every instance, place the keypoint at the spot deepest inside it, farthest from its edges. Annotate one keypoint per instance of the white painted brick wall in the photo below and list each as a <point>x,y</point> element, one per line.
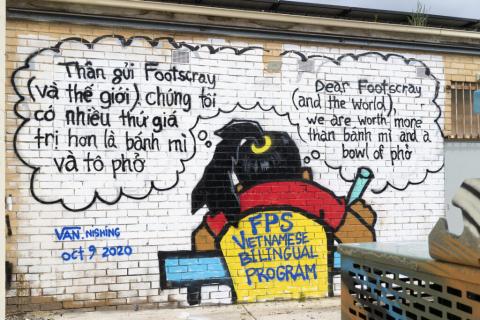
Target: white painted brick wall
<point>163,220</point>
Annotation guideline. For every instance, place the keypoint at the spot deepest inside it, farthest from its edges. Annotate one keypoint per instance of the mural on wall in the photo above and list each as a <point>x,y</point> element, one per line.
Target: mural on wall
<point>275,227</point>
<point>116,119</point>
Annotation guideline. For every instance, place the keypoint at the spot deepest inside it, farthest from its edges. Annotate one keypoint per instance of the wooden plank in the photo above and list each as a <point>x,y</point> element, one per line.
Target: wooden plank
<point>462,249</point>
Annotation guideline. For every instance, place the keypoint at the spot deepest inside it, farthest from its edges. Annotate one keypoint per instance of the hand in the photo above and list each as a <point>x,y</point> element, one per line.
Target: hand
<point>358,224</point>
<point>203,240</point>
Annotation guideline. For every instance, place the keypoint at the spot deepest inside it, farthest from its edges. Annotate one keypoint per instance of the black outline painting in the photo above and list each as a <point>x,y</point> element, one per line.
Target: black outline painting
<point>247,161</point>
<point>124,42</point>
<point>212,50</point>
<point>258,159</point>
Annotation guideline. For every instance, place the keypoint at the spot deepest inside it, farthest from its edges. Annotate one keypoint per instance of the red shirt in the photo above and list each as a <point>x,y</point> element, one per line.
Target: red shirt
<point>305,195</point>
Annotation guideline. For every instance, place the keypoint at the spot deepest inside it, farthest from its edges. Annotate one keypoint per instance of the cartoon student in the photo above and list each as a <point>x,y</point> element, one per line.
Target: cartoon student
<point>255,168</point>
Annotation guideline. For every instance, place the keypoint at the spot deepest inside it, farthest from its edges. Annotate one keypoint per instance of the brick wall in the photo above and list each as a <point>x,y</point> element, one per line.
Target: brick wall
<point>460,69</point>
<point>119,232</point>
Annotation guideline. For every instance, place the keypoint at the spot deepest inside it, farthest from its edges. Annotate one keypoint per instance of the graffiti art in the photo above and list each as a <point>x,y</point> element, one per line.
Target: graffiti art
<point>270,230</point>
<point>239,176</point>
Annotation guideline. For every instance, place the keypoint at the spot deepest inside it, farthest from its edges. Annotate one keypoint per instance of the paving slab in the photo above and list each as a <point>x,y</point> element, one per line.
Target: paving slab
<point>319,309</point>
<point>295,310</point>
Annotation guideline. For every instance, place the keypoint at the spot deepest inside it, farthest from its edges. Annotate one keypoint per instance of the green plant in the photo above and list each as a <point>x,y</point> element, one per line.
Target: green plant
<point>419,17</point>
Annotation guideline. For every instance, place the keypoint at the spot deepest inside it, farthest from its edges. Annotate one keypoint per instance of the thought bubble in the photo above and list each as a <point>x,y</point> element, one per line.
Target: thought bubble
<point>112,118</point>
<point>371,110</point>
<point>117,117</point>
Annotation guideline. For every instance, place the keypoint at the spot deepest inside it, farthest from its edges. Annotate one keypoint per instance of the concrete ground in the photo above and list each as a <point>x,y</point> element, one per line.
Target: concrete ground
<point>322,309</point>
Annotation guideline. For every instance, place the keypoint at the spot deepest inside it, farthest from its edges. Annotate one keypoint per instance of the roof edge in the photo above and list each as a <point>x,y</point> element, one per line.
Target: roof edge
<point>277,21</point>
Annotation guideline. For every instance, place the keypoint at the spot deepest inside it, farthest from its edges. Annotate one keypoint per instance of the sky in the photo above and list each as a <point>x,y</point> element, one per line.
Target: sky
<point>469,9</point>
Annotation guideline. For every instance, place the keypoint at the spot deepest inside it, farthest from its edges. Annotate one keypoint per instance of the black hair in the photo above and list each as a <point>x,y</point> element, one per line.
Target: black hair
<point>280,160</point>
<point>216,188</point>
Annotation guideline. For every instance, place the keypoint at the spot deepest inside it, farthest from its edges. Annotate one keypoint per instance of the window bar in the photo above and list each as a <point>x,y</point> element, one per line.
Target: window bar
<point>478,119</point>
<point>464,112</point>
<point>470,92</point>
<point>456,110</point>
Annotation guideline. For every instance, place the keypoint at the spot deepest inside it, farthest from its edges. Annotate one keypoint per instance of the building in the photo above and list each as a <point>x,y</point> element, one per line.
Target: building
<point>161,153</point>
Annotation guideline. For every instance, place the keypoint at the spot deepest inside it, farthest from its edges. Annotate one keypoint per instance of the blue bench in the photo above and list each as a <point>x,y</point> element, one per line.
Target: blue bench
<point>192,270</point>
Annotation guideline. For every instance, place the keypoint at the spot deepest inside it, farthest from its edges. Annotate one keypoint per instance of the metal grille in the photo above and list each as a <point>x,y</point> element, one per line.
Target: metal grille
<point>373,291</point>
<point>306,66</point>
<point>465,123</point>
<point>180,56</point>
<point>421,72</point>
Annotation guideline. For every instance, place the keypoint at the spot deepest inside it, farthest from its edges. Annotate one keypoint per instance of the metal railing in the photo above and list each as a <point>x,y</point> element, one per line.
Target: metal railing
<point>464,123</point>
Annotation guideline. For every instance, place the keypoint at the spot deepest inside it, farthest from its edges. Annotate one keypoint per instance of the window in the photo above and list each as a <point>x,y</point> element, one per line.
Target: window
<point>465,113</point>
